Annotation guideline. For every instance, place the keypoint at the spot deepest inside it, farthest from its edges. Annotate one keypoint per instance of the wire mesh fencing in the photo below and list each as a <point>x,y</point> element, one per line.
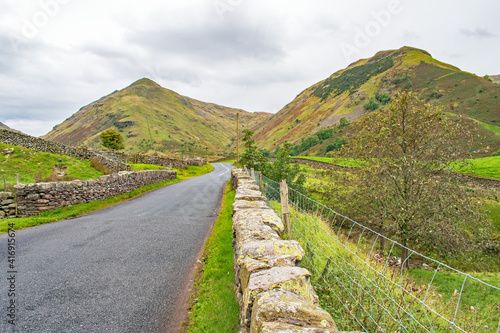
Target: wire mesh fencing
<point>359,276</point>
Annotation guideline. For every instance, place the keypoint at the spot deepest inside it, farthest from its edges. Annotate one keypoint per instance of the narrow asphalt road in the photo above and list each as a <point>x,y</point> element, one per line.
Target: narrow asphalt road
<point>120,269</point>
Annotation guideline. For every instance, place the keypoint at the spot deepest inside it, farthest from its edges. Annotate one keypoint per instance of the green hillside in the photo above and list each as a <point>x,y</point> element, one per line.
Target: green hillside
<point>346,93</point>
<point>154,119</point>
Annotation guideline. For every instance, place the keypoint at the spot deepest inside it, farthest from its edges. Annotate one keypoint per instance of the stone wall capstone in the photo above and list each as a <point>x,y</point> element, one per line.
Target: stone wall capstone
<point>33,199</point>
<point>7,204</point>
<point>275,295</point>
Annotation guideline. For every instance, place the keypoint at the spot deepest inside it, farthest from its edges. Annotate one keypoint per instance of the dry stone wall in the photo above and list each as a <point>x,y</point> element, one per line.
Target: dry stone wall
<point>113,160</point>
<point>275,295</point>
<point>7,204</point>
<point>33,199</point>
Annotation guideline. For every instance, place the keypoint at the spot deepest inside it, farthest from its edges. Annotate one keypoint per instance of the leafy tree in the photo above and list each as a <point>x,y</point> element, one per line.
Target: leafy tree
<point>266,153</point>
<point>252,157</point>
<point>282,168</point>
<point>383,98</point>
<point>371,105</point>
<point>112,139</point>
<point>325,134</point>
<point>407,188</point>
<point>343,122</point>
<point>336,145</point>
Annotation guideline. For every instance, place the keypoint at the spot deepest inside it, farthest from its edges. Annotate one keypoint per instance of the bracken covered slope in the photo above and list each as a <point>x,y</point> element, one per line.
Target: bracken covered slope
<point>345,92</point>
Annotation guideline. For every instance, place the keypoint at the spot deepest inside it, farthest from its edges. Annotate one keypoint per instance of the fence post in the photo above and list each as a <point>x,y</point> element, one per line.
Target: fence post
<point>261,188</point>
<point>285,211</point>
<point>17,179</point>
<point>252,172</point>
<point>245,168</point>
<point>4,184</point>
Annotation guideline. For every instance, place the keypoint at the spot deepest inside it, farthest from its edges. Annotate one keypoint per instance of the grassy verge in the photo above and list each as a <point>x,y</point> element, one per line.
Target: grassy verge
<point>72,211</point>
<point>215,308</point>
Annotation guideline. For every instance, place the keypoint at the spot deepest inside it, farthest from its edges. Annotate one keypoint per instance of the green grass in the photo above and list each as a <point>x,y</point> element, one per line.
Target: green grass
<point>140,167</point>
<point>338,161</point>
<point>27,163</point>
<point>215,308</point>
<point>72,211</point>
<point>488,167</point>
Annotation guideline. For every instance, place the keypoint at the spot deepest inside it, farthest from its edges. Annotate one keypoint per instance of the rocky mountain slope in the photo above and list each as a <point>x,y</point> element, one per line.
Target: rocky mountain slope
<point>3,126</point>
<point>154,119</point>
<point>495,78</point>
<point>345,93</point>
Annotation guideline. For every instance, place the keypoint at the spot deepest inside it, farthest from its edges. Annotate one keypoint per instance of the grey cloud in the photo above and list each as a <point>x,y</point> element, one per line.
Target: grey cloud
<point>213,43</point>
<point>477,33</point>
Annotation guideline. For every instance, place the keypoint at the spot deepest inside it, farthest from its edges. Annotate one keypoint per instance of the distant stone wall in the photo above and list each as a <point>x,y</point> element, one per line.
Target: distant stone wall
<point>196,161</point>
<point>318,164</point>
<point>156,160</point>
<point>7,204</point>
<point>275,295</point>
<point>33,199</point>
<point>112,160</point>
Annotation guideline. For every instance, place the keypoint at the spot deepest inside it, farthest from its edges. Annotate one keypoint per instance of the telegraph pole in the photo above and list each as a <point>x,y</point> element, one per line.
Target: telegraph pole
<point>237,138</point>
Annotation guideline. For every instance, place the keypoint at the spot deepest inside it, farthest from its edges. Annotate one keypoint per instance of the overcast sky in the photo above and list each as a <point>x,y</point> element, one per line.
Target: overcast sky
<point>59,55</point>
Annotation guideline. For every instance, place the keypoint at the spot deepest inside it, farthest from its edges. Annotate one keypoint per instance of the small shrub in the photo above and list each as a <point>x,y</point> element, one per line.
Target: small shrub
<point>371,105</point>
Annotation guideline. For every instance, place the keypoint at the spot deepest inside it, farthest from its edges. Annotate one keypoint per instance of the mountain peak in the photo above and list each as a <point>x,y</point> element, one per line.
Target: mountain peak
<point>145,82</point>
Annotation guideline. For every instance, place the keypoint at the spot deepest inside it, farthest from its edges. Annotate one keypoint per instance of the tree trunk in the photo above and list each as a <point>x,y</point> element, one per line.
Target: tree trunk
<point>404,256</point>
<point>382,245</point>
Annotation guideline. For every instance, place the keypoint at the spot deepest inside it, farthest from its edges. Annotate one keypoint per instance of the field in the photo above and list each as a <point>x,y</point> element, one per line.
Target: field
<point>30,164</point>
<point>487,167</point>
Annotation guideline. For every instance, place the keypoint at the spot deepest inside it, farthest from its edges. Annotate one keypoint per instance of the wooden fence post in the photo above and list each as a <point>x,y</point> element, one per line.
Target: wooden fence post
<point>245,168</point>
<point>261,187</point>
<point>17,179</point>
<point>252,172</point>
<point>285,211</point>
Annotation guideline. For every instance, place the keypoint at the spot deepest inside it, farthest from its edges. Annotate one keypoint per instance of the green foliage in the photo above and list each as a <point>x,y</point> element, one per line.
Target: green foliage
<point>326,133</point>
<point>215,308</point>
<point>266,153</point>
<point>401,79</point>
<point>251,157</point>
<point>343,122</point>
<point>406,189</point>
<point>371,105</point>
<point>353,78</point>
<point>112,139</point>
<point>336,145</point>
<point>309,142</point>
<point>487,77</point>
<point>283,169</point>
<point>384,98</point>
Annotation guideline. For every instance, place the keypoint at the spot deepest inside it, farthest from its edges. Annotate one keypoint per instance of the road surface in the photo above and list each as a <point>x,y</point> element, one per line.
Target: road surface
<point>121,269</point>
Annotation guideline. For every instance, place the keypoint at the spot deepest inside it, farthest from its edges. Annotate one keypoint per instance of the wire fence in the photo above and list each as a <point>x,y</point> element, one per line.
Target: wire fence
<point>359,276</point>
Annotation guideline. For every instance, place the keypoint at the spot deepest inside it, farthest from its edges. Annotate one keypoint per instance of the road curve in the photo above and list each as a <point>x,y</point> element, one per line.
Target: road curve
<point>120,269</point>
